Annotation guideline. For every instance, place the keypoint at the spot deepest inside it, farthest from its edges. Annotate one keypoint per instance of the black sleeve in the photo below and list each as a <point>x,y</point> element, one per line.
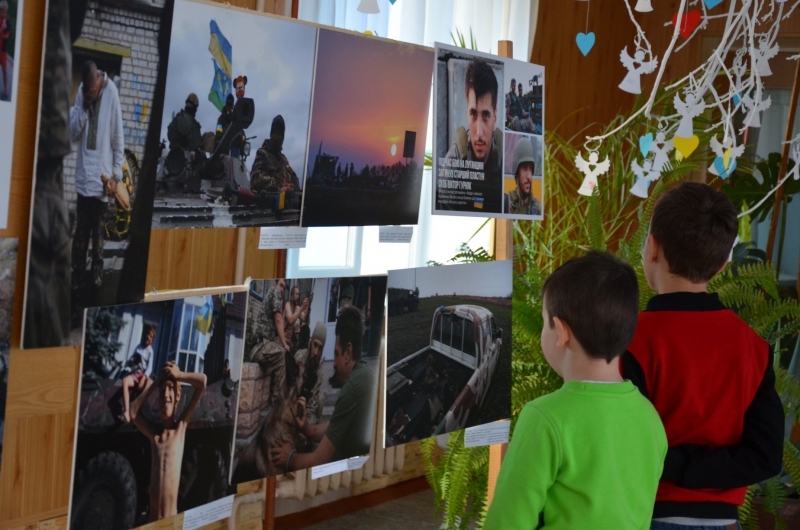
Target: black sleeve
<point>758,457</point>
<point>632,370</point>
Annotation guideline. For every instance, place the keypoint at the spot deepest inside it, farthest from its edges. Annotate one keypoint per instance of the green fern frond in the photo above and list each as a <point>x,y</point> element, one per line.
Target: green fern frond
<point>791,462</point>
<point>746,512</point>
<point>774,495</point>
<point>788,389</point>
<point>594,220</point>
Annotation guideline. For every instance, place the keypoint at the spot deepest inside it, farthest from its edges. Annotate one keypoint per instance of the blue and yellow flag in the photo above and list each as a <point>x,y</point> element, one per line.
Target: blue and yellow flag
<point>222,53</point>
<point>204,316</point>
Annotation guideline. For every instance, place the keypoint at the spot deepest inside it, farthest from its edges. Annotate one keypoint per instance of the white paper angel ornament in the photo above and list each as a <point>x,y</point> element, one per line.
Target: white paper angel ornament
<point>755,108</point>
<point>661,150</point>
<point>636,66</point>
<point>592,168</point>
<point>739,69</point>
<point>764,53</point>
<point>646,174</point>
<point>725,163</point>
<point>689,109</point>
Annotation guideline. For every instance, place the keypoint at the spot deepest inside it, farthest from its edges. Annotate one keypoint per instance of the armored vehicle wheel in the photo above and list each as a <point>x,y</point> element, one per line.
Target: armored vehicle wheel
<point>105,494</point>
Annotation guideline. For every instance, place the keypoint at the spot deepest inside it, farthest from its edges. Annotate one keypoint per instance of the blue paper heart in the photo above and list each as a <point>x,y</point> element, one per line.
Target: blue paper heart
<point>585,42</point>
<point>737,98</point>
<point>711,4</point>
<point>393,1</point>
<point>645,143</point>
<point>719,165</point>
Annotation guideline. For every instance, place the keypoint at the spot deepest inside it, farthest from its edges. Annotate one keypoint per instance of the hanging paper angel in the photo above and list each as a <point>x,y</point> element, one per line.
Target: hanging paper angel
<point>689,109</point>
<point>646,174</point>
<point>592,169</point>
<point>632,82</point>
<point>661,150</point>
<point>755,108</point>
<point>763,54</point>
<point>725,163</point>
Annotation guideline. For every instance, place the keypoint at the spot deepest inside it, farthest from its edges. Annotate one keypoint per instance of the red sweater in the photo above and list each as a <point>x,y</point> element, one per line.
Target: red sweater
<point>710,377</point>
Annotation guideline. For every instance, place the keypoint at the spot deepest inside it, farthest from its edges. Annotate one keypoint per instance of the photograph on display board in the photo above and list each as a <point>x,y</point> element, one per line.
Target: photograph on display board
<point>369,120</point>
<point>102,91</point>
<point>10,25</point>
<point>8,272</point>
<point>156,409</point>
<point>235,122</point>
<point>448,349</point>
<point>309,378</point>
<point>480,100</point>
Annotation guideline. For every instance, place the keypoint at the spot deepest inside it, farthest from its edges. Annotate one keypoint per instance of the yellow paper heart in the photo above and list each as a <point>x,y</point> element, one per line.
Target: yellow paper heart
<point>686,146</point>
<point>726,160</point>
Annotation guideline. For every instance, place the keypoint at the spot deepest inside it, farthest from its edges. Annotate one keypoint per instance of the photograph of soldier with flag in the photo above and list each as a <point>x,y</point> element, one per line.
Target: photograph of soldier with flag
<point>163,444</point>
<point>235,151</point>
<point>102,91</point>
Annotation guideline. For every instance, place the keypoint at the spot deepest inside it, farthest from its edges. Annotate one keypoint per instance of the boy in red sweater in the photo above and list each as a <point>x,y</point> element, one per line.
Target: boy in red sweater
<point>708,374</point>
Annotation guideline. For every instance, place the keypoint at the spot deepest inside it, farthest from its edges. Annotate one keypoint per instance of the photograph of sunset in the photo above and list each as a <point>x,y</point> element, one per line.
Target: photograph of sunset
<point>369,121</point>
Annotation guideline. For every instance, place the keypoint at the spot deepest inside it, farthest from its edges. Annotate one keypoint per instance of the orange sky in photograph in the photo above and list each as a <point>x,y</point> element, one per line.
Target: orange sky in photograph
<point>367,93</point>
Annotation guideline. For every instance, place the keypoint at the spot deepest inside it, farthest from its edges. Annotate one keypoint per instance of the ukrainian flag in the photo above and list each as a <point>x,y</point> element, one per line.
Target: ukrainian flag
<point>478,203</point>
<point>204,316</point>
<point>222,53</point>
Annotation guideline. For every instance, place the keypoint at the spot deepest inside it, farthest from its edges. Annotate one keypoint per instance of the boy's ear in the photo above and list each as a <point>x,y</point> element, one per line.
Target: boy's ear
<point>563,331</point>
<point>652,249</point>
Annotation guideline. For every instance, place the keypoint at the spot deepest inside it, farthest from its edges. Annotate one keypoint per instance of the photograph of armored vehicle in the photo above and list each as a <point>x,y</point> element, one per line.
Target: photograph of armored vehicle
<point>435,389</point>
<point>402,299</point>
<point>114,461</point>
<point>196,188</point>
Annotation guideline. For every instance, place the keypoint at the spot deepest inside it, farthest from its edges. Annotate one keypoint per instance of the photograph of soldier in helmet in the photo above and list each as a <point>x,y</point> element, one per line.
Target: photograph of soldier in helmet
<point>252,119</point>
<point>521,199</point>
<point>483,106</point>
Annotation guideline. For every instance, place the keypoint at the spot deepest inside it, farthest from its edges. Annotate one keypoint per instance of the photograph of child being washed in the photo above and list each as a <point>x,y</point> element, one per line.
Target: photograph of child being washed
<point>665,416</point>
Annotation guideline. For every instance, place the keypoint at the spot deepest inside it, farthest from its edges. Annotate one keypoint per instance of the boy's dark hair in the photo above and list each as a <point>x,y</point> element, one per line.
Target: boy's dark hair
<point>86,70</point>
<point>597,295</point>
<point>480,77</point>
<point>147,329</point>
<point>696,226</point>
<point>349,328</point>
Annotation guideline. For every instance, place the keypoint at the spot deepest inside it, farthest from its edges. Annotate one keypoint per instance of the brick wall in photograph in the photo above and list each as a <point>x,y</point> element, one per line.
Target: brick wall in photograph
<point>138,32</point>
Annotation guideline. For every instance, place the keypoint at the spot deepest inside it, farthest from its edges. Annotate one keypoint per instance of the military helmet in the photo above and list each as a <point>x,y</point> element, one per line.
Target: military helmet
<point>192,99</point>
<point>523,152</point>
<point>513,81</point>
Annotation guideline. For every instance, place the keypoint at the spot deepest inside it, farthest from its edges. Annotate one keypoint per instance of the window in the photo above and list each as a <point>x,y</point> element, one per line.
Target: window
<point>191,342</point>
<point>469,340</point>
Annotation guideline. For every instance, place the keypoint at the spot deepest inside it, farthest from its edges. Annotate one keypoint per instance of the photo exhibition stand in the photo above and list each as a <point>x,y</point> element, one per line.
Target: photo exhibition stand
<point>42,390</point>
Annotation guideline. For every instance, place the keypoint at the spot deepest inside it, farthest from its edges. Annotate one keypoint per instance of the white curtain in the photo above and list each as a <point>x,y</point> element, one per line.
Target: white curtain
<point>427,21</point>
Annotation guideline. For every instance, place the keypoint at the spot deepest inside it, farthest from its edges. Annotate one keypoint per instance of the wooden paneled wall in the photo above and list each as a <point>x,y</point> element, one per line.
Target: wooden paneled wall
<point>582,93</point>
<point>40,414</point>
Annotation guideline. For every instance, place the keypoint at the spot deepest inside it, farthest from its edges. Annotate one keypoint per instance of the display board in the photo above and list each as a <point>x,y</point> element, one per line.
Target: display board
<point>369,120</point>
<point>236,122</point>
<point>8,272</point>
<point>307,398</point>
<point>103,78</point>
<point>488,136</point>
<point>448,349</point>
<point>156,409</point>
<point>10,40</point>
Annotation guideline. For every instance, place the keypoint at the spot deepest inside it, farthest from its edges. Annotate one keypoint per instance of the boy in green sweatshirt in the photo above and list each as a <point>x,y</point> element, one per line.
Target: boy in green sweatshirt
<point>589,455</point>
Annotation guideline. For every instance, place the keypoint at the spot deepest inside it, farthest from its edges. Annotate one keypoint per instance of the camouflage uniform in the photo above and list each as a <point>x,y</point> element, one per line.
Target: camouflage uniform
<point>184,132</point>
<point>492,185</point>
<point>271,169</point>
<point>518,123</point>
<point>312,383</point>
<point>48,309</point>
<point>268,352</point>
<point>514,203</point>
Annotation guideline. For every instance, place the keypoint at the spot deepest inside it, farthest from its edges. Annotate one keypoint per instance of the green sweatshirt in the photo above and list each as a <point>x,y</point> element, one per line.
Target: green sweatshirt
<point>586,456</point>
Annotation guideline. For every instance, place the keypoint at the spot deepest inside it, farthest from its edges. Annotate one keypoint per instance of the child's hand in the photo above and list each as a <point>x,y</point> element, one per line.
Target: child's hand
<point>171,370</point>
